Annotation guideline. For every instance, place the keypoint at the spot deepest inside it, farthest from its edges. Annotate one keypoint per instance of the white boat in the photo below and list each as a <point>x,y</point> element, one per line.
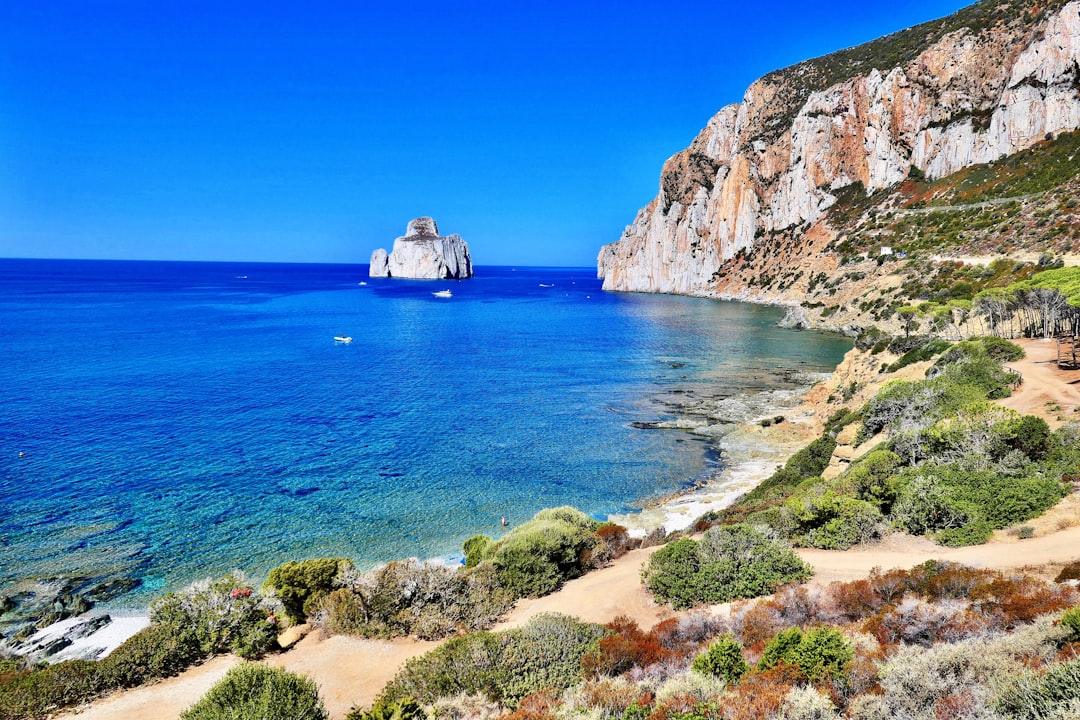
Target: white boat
<point>342,339</point>
<point>361,283</point>
<point>543,285</point>
<point>443,294</point>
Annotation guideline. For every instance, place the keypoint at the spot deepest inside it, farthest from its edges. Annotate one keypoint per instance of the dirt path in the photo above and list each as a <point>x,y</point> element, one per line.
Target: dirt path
<point>1045,385</point>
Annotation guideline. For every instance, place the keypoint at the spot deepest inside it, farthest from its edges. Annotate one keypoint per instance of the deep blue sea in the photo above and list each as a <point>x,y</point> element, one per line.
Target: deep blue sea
<point>179,420</point>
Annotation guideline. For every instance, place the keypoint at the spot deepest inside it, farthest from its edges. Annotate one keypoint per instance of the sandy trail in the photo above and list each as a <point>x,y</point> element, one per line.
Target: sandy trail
<point>351,671</point>
<point>1044,384</point>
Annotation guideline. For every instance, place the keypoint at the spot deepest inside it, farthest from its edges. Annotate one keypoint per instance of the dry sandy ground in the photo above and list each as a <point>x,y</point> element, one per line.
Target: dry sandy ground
<point>1045,387</point>
<point>351,671</point>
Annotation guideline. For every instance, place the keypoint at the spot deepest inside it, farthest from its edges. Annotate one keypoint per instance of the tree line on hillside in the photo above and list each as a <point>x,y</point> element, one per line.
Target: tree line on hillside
<point>1046,305</point>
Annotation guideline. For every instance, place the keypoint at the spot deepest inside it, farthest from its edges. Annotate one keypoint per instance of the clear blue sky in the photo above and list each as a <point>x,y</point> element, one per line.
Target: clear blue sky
<point>313,131</point>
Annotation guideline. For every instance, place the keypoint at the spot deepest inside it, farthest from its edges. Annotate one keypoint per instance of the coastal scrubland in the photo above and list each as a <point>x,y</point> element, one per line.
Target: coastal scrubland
<point>944,460</point>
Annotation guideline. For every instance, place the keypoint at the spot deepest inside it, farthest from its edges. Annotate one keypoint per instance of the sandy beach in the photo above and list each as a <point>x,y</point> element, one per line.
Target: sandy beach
<point>351,671</point>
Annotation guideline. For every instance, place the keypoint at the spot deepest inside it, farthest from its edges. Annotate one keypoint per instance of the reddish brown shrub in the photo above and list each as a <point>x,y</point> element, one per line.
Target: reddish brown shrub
<point>701,525</point>
<point>854,600</point>
<point>960,704</point>
<point>615,537</point>
<point>538,706</point>
<point>668,633</point>
<point>1069,572</point>
<point>627,646</point>
<point>1013,601</point>
<point>950,581</point>
<point>686,635</point>
<point>758,623</point>
<point>914,620</point>
<point>760,694</point>
<point>889,587</point>
<point>863,673</point>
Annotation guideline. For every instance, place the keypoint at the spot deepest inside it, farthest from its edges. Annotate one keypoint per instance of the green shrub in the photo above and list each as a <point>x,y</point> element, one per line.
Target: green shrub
<point>975,532</point>
<point>832,521</point>
<point>820,652</point>
<point>903,404</point>
<point>1049,694</point>
<point>1001,349</point>
<point>38,693</point>
<point>868,479</point>
<point>970,363</point>
<point>428,600</point>
<point>405,709</point>
<point>155,652</point>
<point>537,557</point>
<point>839,420</point>
<point>300,584</point>
<point>568,515</point>
<point>735,561</point>
<point>963,506</point>
<point>869,337</point>
<point>1028,434</point>
<point>1071,620</point>
<point>225,615</point>
<point>923,352</point>
<point>477,549</point>
<point>807,463</point>
<point>812,460</point>
<point>505,666</point>
<point>254,691</point>
<point>723,659</point>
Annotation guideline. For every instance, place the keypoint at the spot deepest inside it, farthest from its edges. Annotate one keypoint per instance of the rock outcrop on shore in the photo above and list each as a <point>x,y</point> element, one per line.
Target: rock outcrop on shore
<point>987,82</point>
<point>424,254</point>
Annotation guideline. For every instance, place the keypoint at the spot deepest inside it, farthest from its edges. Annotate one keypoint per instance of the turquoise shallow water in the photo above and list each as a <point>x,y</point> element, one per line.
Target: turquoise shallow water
<point>183,419</point>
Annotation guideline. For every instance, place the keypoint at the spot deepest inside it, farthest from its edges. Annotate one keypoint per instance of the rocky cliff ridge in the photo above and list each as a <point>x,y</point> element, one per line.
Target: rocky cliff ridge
<point>422,253</point>
<point>987,82</point>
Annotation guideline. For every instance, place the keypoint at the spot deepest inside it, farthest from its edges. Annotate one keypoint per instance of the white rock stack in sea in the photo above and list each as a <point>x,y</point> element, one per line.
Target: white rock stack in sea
<point>423,253</point>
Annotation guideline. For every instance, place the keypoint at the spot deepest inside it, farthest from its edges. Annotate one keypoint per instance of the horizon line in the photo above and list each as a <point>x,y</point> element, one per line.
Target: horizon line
<point>263,262</point>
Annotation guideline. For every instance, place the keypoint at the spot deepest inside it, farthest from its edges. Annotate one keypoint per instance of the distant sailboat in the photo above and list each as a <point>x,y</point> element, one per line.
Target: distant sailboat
<point>443,294</point>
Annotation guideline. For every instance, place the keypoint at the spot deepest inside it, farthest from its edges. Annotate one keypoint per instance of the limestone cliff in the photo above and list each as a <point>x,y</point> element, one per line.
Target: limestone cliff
<point>991,80</point>
<point>423,253</point>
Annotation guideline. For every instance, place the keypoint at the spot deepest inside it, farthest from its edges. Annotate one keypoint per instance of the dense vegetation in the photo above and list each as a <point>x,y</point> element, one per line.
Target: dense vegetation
<point>223,615</point>
<point>431,601</point>
<point>254,691</point>
<point>951,464</point>
<point>734,561</point>
<point>939,640</point>
<point>536,557</point>
<point>428,600</point>
<point>504,666</point>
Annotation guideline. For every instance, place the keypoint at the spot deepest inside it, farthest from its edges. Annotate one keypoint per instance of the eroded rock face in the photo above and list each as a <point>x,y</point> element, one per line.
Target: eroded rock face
<point>423,253</point>
<point>967,98</point>
<point>380,264</point>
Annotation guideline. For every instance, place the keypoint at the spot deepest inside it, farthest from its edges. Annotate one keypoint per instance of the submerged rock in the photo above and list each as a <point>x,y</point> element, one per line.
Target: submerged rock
<point>424,254</point>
